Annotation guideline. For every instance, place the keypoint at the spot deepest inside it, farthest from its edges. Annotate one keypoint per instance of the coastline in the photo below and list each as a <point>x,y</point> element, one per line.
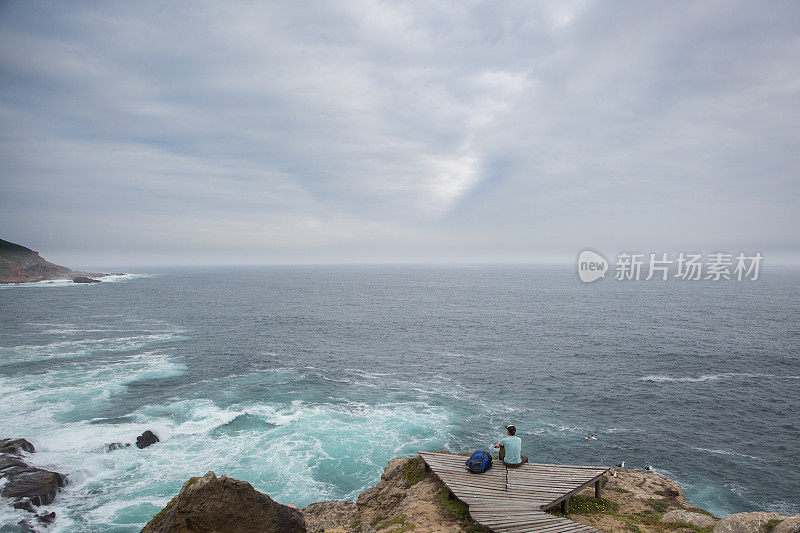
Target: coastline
<point>409,498</point>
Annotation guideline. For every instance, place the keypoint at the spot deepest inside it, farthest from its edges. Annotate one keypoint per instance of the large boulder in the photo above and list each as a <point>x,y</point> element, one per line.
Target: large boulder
<point>33,484</point>
<point>84,279</point>
<point>681,516</point>
<point>212,504</point>
<point>25,485</point>
<point>8,461</point>
<point>790,525</point>
<point>15,446</point>
<point>146,439</point>
<point>757,522</point>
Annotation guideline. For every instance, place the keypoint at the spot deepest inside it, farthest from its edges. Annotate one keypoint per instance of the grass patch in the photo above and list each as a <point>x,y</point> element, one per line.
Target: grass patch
<point>459,510</point>
<point>414,471</point>
<point>687,525</point>
<point>454,507</point>
<point>658,505</point>
<point>620,489</point>
<point>475,527</point>
<point>650,518</point>
<point>772,523</point>
<point>634,522</point>
<point>702,511</point>
<point>586,505</point>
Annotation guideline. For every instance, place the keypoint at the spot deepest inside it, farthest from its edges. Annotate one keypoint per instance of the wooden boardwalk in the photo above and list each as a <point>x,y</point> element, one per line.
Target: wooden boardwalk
<point>515,499</point>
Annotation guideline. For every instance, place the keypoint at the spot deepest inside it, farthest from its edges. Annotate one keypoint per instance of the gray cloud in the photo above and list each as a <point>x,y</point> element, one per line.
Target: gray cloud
<point>139,132</point>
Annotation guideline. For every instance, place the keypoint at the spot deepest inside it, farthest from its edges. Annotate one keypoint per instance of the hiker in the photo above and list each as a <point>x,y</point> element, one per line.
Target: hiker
<point>511,448</point>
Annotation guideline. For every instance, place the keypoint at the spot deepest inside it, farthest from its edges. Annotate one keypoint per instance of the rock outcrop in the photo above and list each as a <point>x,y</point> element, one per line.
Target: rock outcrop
<point>223,504</point>
<point>146,439</point>
<point>27,486</point>
<point>19,264</point>
<point>84,279</point>
<point>757,522</point>
<point>15,446</point>
<point>789,525</point>
<point>408,498</point>
<point>682,516</point>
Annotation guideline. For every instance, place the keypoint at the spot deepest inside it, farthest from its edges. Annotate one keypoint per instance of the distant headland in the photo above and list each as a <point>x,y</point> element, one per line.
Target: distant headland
<point>19,264</point>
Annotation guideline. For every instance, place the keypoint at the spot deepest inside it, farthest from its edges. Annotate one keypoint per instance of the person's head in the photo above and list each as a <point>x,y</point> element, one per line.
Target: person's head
<point>511,430</point>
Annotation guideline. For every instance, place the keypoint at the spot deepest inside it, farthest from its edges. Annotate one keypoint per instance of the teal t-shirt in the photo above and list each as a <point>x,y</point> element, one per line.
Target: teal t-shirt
<point>513,446</point>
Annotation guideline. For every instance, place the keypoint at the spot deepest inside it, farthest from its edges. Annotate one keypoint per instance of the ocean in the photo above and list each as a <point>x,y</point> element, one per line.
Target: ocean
<point>306,380</point>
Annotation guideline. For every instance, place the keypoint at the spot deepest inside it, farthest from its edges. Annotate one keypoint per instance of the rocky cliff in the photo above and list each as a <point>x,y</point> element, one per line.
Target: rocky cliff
<point>19,264</point>
<point>25,486</point>
<point>409,499</point>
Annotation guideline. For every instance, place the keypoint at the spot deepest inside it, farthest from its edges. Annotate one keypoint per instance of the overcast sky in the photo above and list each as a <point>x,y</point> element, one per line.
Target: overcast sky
<point>145,133</point>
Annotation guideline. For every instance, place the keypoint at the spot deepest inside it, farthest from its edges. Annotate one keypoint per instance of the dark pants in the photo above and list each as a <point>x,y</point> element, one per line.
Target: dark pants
<point>512,465</point>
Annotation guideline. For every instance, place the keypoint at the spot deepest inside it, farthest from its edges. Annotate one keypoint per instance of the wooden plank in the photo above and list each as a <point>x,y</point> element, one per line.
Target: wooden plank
<point>511,499</point>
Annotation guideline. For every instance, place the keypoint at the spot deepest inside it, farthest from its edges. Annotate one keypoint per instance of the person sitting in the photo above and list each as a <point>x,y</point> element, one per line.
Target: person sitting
<point>511,449</point>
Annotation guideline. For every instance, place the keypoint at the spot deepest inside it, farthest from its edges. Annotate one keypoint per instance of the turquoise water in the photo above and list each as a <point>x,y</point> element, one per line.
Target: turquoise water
<point>306,381</point>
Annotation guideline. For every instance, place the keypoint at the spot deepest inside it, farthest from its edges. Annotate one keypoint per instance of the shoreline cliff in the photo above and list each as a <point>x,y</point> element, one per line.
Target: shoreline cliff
<point>407,498</point>
<point>19,264</point>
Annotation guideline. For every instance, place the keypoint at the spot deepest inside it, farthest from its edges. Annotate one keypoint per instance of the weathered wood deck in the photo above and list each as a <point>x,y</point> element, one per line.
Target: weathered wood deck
<point>515,499</point>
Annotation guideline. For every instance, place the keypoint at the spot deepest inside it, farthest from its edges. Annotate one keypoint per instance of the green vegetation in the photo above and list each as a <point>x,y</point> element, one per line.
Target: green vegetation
<point>702,511</point>
<point>584,505</point>
<point>459,510</point>
<point>414,470</point>
<point>650,518</point>
<point>772,523</point>
<point>456,508</point>
<point>686,525</point>
<point>620,489</point>
<point>658,505</point>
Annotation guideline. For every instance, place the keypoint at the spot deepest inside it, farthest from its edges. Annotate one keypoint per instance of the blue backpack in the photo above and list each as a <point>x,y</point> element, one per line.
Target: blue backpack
<point>479,462</point>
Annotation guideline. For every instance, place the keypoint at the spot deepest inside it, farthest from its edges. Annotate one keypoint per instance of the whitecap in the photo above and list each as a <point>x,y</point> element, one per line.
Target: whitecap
<point>726,452</point>
<point>658,378</point>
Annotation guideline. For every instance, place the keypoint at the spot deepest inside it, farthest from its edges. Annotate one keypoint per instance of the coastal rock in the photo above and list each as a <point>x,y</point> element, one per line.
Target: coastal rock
<point>34,484</point>
<point>224,504</point>
<point>408,497</point>
<point>15,446</point>
<point>47,518</point>
<point>19,264</point>
<point>757,522</point>
<point>146,439</point>
<point>9,461</point>
<point>330,516</point>
<point>790,525</point>
<point>117,445</point>
<point>27,485</point>
<point>678,516</point>
<point>84,279</point>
